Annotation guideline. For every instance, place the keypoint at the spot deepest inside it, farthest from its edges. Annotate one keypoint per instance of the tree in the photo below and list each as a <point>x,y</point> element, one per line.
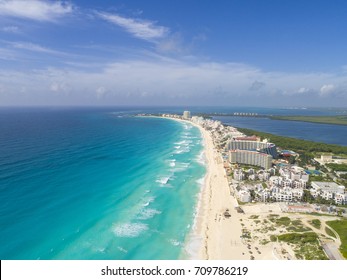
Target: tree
<point>291,160</point>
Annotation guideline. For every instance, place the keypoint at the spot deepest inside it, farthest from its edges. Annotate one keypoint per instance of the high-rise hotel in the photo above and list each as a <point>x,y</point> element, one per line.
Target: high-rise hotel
<point>186,115</point>
<point>261,147</point>
<point>252,152</point>
<point>251,158</point>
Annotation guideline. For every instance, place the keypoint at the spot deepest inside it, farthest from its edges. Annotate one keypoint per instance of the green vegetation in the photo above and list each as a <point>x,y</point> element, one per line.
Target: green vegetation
<point>290,225</point>
<point>340,226</point>
<point>254,217</point>
<point>319,178</point>
<point>305,148</point>
<point>246,234</point>
<point>306,245</point>
<point>273,215</point>
<point>316,223</point>
<point>297,223</point>
<point>307,197</point>
<point>298,229</point>
<point>330,232</point>
<point>298,237</point>
<point>337,167</point>
<point>283,221</point>
<point>340,120</point>
<point>264,242</point>
<point>273,238</point>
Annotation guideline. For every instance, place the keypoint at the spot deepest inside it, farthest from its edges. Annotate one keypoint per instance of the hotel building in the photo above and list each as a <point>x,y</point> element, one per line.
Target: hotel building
<point>186,115</point>
<point>262,147</point>
<point>250,157</point>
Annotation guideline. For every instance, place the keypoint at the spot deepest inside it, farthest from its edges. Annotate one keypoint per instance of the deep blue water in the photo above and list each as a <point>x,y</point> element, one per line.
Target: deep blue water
<point>96,184</point>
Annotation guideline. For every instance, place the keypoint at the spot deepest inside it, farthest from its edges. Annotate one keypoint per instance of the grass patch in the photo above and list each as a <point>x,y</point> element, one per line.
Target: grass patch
<point>283,221</point>
<point>273,238</point>
<point>254,217</point>
<point>298,229</point>
<point>306,245</point>
<point>330,232</point>
<point>340,226</point>
<point>298,238</point>
<point>264,242</point>
<point>246,234</point>
<point>273,216</point>
<point>315,223</point>
<point>296,223</point>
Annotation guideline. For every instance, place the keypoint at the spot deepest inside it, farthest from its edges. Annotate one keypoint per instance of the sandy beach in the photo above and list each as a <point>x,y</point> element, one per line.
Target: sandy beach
<point>221,235</point>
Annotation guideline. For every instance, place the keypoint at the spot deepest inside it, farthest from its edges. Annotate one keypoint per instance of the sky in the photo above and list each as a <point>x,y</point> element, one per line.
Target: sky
<point>183,52</point>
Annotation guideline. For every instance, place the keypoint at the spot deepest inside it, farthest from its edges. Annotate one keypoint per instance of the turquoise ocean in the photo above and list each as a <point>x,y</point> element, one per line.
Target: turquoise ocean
<point>96,184</point>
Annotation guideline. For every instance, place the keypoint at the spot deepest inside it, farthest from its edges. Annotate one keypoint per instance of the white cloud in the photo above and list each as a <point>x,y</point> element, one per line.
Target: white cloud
<point>37,10</point>
<point>159,82</point>
<point>59,87</point>
<point>100,92</point>
<point>34,47</point>
<point>10,29</point>
<point>139,28</point>
<point>304,90</point>
<point>327,90</point>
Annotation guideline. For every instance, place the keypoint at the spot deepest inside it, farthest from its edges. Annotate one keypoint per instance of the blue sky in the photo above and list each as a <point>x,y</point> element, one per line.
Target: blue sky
<point>184,52</point>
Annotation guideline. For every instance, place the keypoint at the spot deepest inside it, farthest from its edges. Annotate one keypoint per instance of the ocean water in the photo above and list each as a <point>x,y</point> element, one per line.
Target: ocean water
<point>96,184</point>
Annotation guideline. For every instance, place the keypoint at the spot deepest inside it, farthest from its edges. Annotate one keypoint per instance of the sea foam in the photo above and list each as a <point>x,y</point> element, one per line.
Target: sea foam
<point>129,229</point>
<point>148,213</point>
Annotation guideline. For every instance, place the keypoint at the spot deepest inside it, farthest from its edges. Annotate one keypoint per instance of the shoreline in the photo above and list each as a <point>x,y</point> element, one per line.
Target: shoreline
<point>213,236</point>
<point>215,199</point>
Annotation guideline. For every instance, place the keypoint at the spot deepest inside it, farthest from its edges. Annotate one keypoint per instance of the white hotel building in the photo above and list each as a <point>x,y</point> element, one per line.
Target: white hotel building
<point>261,147</point>
<point>250,157</point>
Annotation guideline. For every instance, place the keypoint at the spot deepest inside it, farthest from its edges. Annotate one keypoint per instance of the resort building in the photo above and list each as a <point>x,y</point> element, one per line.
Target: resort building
<point>261,147</point>
<point>238,175</point>
<point>250,157</point>
<point>282,194</point>
<point>294,173</point>
<point>300,184</point>
<point>340,198</point>
<point>262,175</point>
<point>326,158</point>
<point>186,115</point>
<point>244,196</point>
<point>329,191</point>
